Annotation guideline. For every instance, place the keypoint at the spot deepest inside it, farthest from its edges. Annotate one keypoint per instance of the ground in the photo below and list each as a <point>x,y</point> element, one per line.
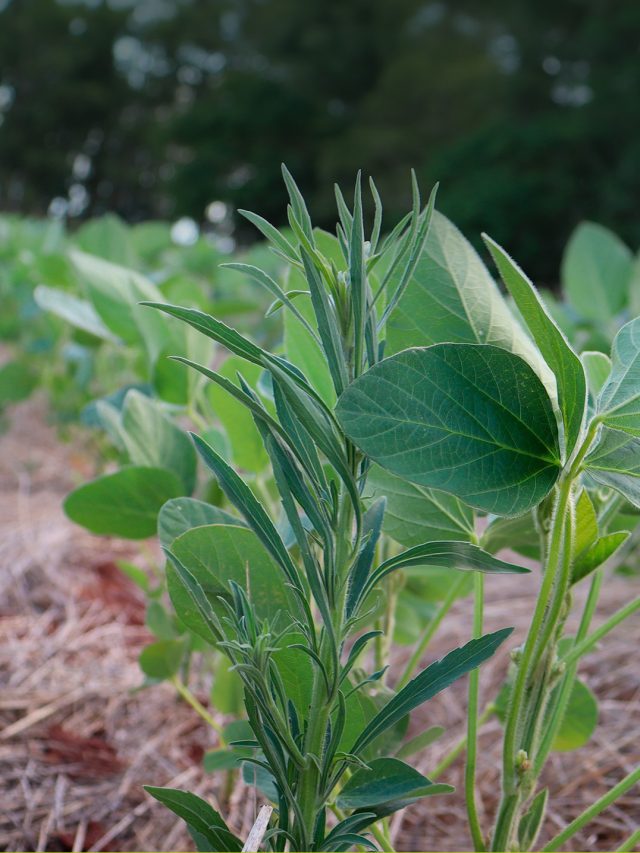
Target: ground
<point>78,740</point>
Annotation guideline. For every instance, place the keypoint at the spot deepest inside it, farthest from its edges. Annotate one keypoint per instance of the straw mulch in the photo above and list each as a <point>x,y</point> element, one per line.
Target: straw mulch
<point>78,740</point>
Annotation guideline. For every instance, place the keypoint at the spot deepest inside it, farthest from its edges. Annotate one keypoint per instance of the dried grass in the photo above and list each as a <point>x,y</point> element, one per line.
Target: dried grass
<point>77,741</point>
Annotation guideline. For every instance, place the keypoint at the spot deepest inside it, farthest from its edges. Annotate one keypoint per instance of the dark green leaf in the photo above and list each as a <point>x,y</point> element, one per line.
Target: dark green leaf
<point>199,815</point>
<point>431,681</point>
<point>452,297</point>
<point>471,420</point>
<point>387,782</point>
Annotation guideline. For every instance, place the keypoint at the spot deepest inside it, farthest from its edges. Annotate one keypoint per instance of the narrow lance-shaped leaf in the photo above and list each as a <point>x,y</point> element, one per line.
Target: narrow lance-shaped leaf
<point>254,513</point>
<point>327,325</point>
<point>431,681</point>
<point>274,288</point>
<point>463,556</point>
<point>357,278</point>
<point>371,527</point>
<point>199,815</point>
<point>563,361</point>
<point>468,419</point>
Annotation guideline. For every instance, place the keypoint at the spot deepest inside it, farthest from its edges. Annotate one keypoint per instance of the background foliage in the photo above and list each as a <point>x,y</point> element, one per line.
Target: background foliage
<point>157,107</point>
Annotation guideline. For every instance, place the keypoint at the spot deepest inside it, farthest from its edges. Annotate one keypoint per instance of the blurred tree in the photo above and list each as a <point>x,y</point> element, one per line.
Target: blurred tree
<point>524,111</point>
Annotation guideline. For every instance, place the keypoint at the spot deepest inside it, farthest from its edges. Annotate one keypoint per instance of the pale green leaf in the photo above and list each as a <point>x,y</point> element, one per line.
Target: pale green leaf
<point>597,366</point>
<point>615,462</point>
<point>596,269</point>
<point>78,312</point>
<point>123,504</point>
<point>619,400</point>
<point>452,298</point>
<point>551,341</point>
<point>416,514</point>
<point>152,439</point>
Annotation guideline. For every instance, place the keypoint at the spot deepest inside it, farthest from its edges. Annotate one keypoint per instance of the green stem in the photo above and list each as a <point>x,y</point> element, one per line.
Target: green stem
<point>472,723</point>
<point>631,843</point>
<point>190,699</point>
<point>523,672</point>
<point>589,642</point>
<point>416,657</point>
<point>517,715</point>
<point>593,811</point>
<point>564,693</point>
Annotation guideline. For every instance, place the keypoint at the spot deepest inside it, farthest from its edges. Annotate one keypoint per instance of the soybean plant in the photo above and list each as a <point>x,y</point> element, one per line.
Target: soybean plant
<point>519,438</point>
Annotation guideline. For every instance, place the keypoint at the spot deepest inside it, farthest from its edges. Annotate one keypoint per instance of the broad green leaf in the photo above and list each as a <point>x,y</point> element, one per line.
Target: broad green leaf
<point>471,420</point>
<point>162,659</point>
<point>199,816</point>
<point>597,554</point>
<point>151,438</point>
<point>597,366</point>
<point>416,514</point>
<point>517,534</point>
<point>619,401</point>
<point>556,351</point>
<point>217,553</point>
<point>246,444</point>
<point>386,781</point>
<point>452,297</point>
<point>615,462</point>
<point>109,238</point>
<point>78,312</point>
<point>123,504</point>
<point>596,269</point>
<point>115,292</point>
<point>531,820</point>
<point>579,721</point>
<point>181,514</point>
<point>431,681</point>
<point>17,381</point>
<point>188,612</point>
